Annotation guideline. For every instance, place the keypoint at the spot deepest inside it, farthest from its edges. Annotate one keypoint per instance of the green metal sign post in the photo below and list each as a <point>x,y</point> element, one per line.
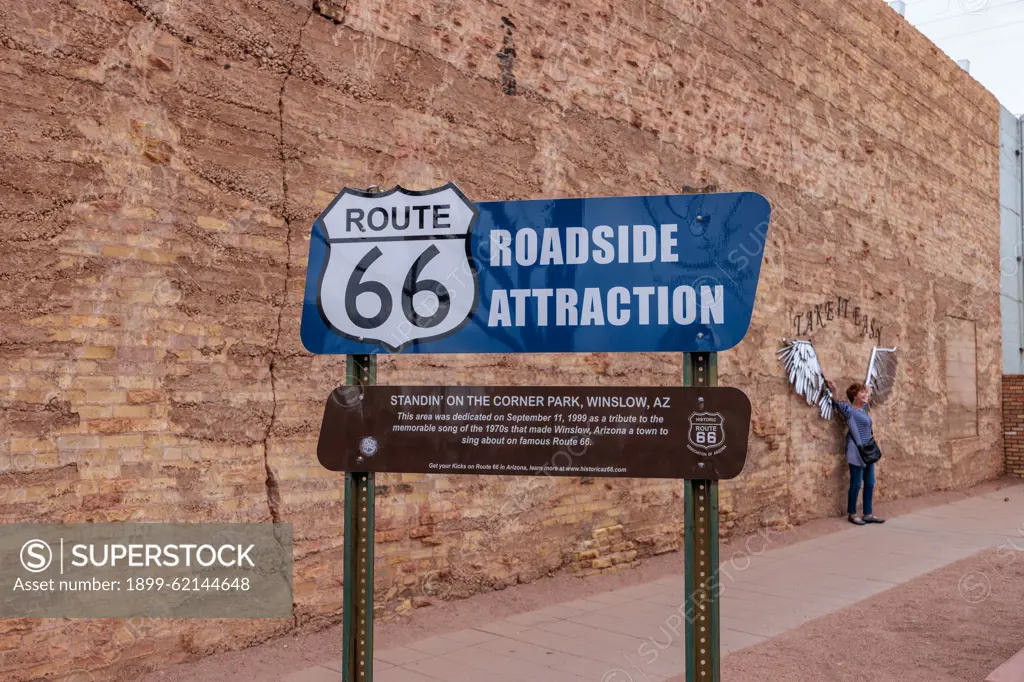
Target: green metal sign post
<point>700,538</point>
<point>703,657</point>
<point>357,602</point>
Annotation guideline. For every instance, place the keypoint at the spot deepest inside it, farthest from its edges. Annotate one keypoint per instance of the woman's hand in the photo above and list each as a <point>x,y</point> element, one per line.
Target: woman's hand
<point>831,386</point>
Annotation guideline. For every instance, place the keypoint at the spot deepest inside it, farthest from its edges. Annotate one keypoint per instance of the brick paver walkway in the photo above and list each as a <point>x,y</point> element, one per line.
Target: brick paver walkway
<point>635,634</point>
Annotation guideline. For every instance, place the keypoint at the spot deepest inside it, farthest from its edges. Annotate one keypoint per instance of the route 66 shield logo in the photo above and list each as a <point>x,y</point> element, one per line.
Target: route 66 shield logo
<point>707,433</point>
<point>398,268</point>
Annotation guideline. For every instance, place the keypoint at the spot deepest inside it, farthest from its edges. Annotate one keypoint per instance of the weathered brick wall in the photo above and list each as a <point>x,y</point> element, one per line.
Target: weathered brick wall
<point>1013,424</point>
<point>162,163</point>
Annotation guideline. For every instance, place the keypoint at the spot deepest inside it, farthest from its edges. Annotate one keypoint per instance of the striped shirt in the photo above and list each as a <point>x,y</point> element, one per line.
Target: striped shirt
<point>859,432</point>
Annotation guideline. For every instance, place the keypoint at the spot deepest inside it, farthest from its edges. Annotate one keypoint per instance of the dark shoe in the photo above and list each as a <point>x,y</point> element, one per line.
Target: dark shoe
<point>855,520</point>
<point>871,518</point>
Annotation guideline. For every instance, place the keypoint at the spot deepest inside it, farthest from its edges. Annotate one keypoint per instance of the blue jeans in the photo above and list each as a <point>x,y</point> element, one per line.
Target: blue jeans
<point>858,474</point>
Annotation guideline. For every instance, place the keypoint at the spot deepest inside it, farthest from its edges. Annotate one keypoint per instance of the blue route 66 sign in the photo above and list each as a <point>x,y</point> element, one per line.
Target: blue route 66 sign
<point>431,272</point>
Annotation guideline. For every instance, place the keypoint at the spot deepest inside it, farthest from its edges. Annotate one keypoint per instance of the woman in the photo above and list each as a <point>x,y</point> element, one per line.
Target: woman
<point>859,423</point>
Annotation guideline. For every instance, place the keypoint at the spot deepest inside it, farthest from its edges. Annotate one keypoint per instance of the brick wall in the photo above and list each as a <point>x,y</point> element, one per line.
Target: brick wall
<point>1013,423</point>
<point>161,166</point>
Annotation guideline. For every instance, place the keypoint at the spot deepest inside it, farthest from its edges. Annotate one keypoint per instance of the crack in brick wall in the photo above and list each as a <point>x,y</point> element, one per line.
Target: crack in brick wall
<point>507,58</point>
<point>272,483</point>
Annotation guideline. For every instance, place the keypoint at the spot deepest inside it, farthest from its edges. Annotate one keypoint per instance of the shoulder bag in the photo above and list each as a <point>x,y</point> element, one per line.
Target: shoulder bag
<point>869,452</point>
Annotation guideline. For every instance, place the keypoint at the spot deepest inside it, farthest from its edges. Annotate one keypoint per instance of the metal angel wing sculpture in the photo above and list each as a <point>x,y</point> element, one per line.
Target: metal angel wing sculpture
<point>801,363</point>
<point>805,375</point>
<point>881,374</point>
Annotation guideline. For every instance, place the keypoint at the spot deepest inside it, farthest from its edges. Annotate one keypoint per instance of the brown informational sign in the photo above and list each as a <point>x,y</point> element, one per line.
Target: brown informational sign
<point>667,432</point>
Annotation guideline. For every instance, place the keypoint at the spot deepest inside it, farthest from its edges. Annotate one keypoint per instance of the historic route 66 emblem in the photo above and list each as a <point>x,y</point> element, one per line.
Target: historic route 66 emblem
<point>398,268</point>
<point>707,433</point>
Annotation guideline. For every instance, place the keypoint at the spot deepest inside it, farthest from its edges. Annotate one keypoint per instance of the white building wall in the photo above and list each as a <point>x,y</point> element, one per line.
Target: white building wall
<point>1011,288</point>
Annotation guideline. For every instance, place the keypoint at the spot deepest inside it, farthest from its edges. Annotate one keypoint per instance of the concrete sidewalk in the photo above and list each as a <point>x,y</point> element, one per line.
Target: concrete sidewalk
<point>635,634</point>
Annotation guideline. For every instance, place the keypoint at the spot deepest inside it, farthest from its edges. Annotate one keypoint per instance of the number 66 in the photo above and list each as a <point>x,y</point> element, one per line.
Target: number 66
<point>413,285</point>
